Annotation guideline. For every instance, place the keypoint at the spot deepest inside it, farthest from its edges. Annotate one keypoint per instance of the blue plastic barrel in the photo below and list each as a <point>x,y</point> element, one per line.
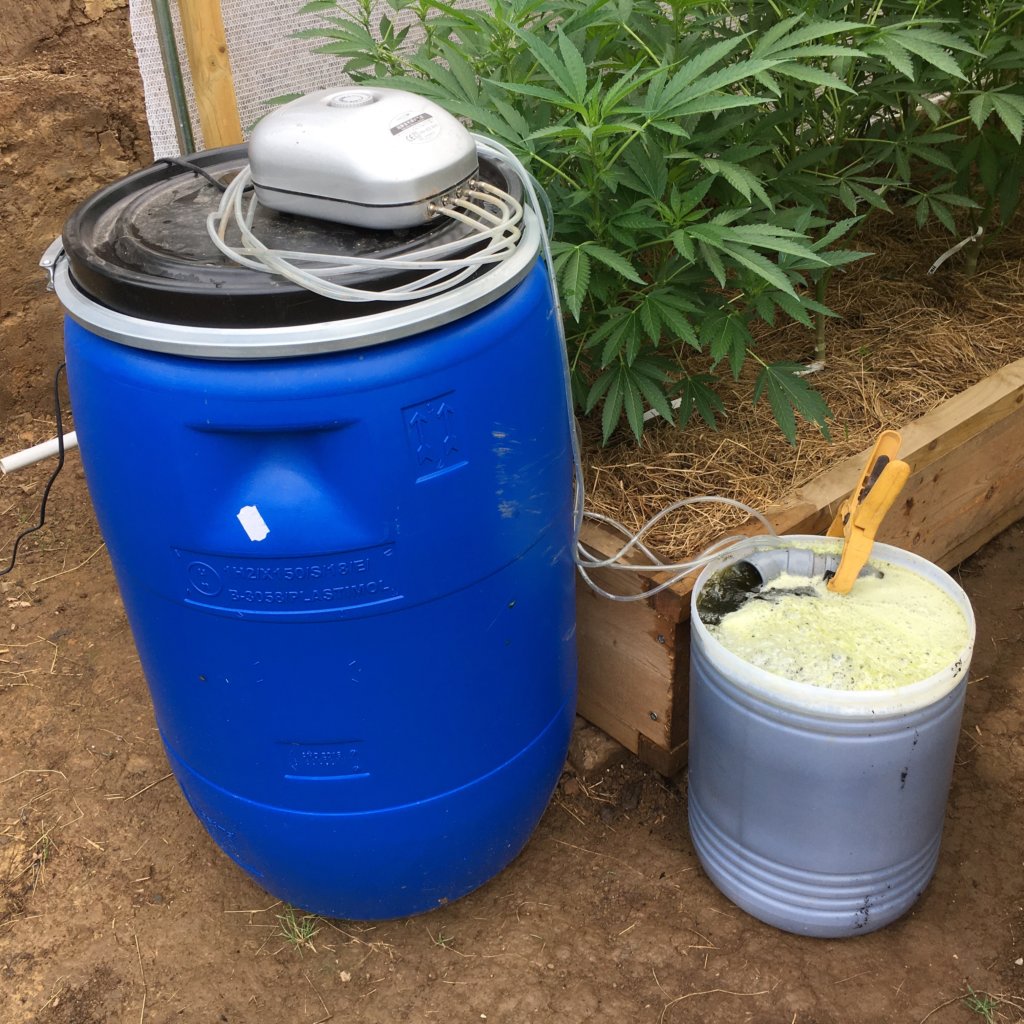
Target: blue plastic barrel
<point>349,576</point>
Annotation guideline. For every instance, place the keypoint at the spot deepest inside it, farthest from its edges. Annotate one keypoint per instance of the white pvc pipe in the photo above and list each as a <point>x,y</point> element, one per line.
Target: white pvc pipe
<point>37,453</point>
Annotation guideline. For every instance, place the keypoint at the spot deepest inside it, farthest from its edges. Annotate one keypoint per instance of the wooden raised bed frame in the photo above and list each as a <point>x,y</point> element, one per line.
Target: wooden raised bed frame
<point>966,485</point>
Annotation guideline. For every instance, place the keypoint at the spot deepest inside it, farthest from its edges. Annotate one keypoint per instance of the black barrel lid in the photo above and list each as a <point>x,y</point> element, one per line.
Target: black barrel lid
<point>140,247</point>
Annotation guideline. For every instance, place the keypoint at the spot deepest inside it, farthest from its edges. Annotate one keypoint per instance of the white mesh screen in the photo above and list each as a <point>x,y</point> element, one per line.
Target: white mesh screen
<point>265,61</point>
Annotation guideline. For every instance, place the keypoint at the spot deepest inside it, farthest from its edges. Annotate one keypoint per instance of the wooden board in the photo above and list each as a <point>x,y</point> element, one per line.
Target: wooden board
<point>203,28</point>
<point>966,485</point>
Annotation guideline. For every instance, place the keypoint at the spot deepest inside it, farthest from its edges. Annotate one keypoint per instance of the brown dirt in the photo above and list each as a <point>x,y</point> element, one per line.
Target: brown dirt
<point>114,904</point>
<point>73,121</point>
<point>606,916</point>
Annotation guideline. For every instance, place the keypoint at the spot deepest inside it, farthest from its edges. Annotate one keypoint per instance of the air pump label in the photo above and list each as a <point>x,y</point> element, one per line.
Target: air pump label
<point>308,584</point>
<point>416,127</point>
<point>407,122</point>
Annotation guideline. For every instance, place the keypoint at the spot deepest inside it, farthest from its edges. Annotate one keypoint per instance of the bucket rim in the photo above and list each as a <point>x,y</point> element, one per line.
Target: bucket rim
<point>822,700</point>
<point>282,342</point>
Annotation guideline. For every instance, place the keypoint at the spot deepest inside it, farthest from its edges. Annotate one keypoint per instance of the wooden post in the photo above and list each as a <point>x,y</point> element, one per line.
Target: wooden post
<point>207,48</point>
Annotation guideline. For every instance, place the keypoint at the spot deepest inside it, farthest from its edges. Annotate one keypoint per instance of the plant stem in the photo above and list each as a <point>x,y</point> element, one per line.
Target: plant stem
<point>643,45</point>
<point>974,249</point>
<point>820,289</point>
<point>557,170</point>
<point>625,145</point>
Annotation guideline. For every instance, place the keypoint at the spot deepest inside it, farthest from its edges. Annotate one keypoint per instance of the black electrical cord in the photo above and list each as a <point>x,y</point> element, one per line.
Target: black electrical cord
<point>53,476</point>
<point>187,165</point>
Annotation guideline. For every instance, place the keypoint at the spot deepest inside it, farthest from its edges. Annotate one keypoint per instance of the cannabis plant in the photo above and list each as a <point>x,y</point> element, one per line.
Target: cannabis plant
<point>987,106</point>
<point>705,162</point>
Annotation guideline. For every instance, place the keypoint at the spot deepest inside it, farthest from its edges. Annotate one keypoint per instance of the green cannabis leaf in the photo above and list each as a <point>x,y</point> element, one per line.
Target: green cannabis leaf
<point>789,393</point>
<point>709,164</point>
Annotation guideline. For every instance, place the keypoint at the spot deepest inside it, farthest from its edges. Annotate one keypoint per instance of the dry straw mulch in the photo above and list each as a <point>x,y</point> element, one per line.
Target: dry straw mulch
<point>903,343</point>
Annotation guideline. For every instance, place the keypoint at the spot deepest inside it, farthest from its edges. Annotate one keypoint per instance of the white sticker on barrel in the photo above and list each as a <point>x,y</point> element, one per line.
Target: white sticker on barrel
<point>252,522</point>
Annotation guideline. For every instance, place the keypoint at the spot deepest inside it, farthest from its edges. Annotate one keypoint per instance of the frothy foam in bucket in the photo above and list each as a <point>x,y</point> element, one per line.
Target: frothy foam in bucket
<point>890,630</point>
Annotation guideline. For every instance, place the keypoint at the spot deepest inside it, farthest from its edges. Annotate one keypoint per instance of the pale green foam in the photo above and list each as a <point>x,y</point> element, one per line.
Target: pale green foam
<point>887,632</point>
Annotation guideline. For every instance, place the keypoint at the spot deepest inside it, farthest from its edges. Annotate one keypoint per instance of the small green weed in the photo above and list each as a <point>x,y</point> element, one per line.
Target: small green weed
<point>985,1004</point>
<point>443,940</point>
<point>298,932</point>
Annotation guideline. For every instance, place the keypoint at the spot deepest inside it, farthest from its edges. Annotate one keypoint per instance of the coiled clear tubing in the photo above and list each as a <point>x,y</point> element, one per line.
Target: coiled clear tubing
<point>492,215</point>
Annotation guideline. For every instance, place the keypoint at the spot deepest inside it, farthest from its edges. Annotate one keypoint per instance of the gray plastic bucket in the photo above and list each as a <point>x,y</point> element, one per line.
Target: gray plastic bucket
<point>816,810</point>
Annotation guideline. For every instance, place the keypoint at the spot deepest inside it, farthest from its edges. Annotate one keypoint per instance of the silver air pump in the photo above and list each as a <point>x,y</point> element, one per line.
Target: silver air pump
<point>371,157</point>
<point>377,159</point>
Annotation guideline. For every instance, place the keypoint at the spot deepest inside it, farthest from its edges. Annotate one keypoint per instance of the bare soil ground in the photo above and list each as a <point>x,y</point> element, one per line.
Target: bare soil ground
<point>71,120</point>
<point>115,905</point>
